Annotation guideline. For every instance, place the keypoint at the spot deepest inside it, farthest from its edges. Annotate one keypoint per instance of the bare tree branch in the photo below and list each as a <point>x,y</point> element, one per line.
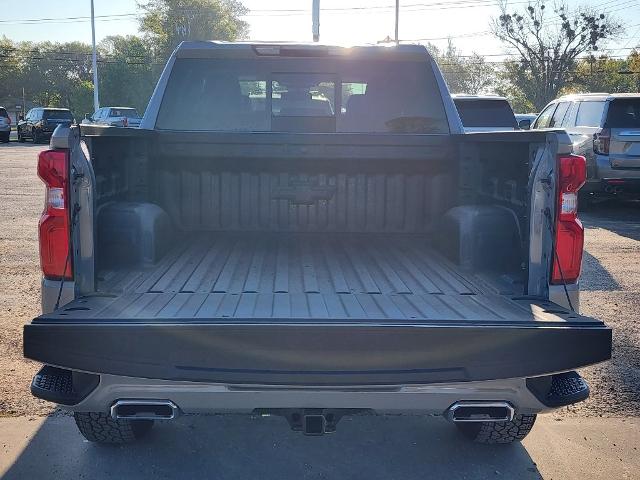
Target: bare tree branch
<point>549,45</point>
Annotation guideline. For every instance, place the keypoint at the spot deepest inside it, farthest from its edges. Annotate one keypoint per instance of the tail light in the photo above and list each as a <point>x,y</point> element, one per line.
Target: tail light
<point>53,228</point>
<point>569,241</point>
<point>9,120</point>
<point>601,141</point>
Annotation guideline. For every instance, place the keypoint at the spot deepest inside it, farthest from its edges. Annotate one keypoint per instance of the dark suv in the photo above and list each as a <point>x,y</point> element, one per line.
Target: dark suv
<point>605,128</point>
<point>40,123</point>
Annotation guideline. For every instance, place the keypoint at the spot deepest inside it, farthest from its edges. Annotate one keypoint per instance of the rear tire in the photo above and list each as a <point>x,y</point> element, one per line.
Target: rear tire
<point>498,432</point>
<point>102,428</point>
<point>5,137</point>
<point>20,137</point>
<point>35,136</point>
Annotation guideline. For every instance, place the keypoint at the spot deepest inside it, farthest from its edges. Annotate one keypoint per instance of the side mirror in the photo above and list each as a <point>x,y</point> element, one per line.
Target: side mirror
<point>524,124</point>
<point>87,116</point>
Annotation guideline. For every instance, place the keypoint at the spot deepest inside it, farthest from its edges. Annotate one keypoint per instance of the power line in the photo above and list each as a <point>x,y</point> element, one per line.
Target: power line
<point>27,21</point>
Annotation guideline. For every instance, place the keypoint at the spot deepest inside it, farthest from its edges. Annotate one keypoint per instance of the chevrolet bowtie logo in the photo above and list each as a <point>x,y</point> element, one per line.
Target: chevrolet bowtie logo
<point>303,194</point>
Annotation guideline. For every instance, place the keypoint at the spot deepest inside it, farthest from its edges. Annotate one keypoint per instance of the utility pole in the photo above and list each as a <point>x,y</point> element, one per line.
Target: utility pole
<point>315,20</point>
<point>397,21</point>
<point>96,101</point>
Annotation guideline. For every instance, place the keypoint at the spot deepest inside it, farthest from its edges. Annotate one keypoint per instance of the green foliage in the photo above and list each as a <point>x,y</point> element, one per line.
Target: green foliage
<point>166,23</point>
<point>464,74</point>
<point>81,99</point>
<point>128,73</point>
<point>602,74</point>
<point>60,74</point>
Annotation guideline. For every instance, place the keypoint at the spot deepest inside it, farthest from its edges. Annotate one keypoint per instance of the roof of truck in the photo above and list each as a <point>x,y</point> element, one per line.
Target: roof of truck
<point>266,49</point>
<point>462,96</point>
<point>597,96</point>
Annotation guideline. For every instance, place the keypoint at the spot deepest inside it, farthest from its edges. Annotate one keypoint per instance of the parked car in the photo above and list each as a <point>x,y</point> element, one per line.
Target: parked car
<point>311,263</point>
<point>525,120</point>
<point>605,128</point>
<point>485,113</point>
<point>5,125</point>
<point>115,117</point>
<point>40,123</point>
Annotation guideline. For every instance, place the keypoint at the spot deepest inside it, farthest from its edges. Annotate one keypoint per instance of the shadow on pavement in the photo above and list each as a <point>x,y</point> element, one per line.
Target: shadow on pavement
<point>243,447</point>
<point>595,277</point>
<point>620,217</point>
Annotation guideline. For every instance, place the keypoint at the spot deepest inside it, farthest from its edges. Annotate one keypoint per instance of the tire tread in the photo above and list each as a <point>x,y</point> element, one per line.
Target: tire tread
<point>499,432</point>
<point>102,428</point>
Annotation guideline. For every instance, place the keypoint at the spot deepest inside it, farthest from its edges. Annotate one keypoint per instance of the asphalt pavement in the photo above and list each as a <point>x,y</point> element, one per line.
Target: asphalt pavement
<point>364,447</point>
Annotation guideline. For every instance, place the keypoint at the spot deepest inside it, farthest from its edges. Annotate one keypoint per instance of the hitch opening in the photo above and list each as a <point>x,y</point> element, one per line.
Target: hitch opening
<point>312,421</point>
<point>314,425</point>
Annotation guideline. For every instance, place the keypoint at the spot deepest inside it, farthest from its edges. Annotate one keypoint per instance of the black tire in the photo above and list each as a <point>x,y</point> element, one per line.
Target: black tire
<point>35,136</point>
<point>498,432</point>
<point>5,137</point>
<point>101,428</point>
<point>20,137</point>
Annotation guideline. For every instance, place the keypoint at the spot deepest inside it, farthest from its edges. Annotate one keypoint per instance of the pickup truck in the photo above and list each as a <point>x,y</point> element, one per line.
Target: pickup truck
<point>347,251</point>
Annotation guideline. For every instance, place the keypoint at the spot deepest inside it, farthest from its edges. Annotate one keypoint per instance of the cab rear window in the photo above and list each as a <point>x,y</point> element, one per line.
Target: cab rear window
<point>486,113</point>
<point>624,113</point>
<point>303,95</point>
<point>57,115</point>
<point>124,112</point>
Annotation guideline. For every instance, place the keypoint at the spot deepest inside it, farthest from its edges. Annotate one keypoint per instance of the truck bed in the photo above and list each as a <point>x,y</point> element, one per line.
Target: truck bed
<point>311,309</point>
<point>303,276</point>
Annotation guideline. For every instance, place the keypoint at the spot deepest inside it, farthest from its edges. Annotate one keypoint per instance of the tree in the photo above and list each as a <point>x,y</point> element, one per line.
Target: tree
<point>127,72</point>
<point>60,75</point>
<point>602,74</point>
<point>549,44</point>
<point>169,22</point>
<point>507,87</point>
<point>464,74</point>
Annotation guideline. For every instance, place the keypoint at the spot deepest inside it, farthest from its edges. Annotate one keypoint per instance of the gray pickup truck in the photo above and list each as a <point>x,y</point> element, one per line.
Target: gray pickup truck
<point>306,231</point>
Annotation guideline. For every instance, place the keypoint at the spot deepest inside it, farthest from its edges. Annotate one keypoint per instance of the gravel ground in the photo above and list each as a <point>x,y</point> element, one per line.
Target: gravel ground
<point>610,284</point>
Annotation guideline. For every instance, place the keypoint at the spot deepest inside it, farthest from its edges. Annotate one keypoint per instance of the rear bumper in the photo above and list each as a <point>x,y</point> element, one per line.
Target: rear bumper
<point>199,398</point>
<point>609,180</point>
<point>317,354</point>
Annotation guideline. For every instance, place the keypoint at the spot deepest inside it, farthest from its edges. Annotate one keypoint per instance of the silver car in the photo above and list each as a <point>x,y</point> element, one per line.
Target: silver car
<point>115,117</point>
<point>5,125</point>
<point>605,128</point>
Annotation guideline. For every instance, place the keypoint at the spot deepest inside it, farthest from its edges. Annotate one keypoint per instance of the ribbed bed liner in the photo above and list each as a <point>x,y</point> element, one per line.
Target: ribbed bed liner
<point>304,276</point>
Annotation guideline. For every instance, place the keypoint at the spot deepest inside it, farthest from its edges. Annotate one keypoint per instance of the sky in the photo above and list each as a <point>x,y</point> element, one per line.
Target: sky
<point>344,22</point>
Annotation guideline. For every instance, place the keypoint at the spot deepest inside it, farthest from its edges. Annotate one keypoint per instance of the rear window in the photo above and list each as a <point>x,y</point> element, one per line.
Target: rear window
<point>486,113</point>
<point>124,112</point>
<point>57,115</point>
<point>3,113</point>
<point>302,95</point>
<point>589,114</point>
<point>624,113</point>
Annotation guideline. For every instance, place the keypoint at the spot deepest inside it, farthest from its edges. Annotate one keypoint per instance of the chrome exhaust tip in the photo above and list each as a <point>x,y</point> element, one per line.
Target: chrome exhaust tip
<point>480,412</point>
<point>144,410</point>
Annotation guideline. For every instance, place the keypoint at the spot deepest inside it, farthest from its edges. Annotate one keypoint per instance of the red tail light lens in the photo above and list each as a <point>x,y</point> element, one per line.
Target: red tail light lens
<point>53,228</point>
<point>601,141</point>
<point>569,241</point>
